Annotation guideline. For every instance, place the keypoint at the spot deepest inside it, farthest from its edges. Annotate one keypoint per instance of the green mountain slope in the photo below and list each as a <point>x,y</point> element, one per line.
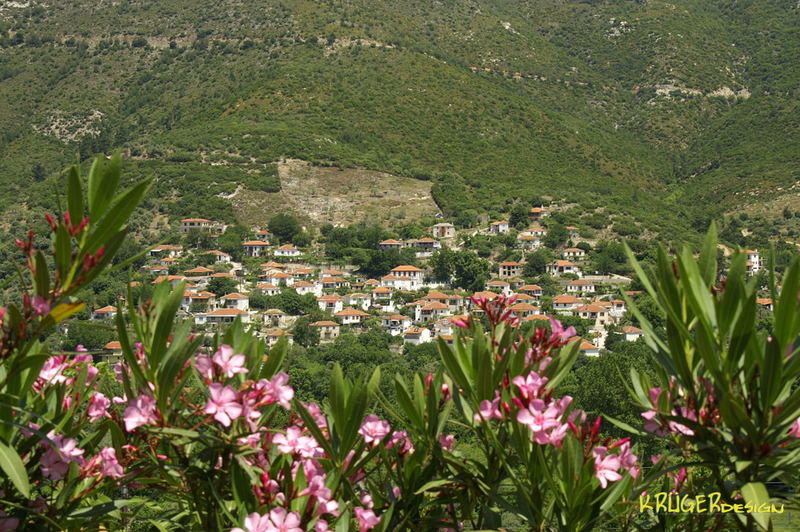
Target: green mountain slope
<point>666,111</point>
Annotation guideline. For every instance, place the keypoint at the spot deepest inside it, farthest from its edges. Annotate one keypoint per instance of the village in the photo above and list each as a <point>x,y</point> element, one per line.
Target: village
<point>406,302</point>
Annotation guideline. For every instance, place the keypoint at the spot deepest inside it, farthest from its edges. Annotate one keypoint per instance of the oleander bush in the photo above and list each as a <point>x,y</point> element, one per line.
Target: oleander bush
<point>204,432</point>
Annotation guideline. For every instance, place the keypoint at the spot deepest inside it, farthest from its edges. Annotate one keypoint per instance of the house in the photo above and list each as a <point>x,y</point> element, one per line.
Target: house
<point>523,310</point>
<point>104,313</point>
<point>222,315</point>
<point>268,289</point>
<point>753,261</point>
<point>499,286</point>
<point>396,323</point>
<point>331,273</point>
<point>331,303</point>
<point>263,235</point>
<point>274,318</point>
<point>207,299</point>
<point>255,248</point>
<point>561,267</point>
<point>328,330</point>
<point>200,271</point>
<point>617,308</point>
<point>407,277</point>
<point>272,265</point>
<point>632,333</point>
<point>573,232</point>
<point>764,302</point>
<point>445,326</point>
<point>352,316</point>
<point>535,230</point>
<point>454,302</point>
<point>165,250</point>
<point>444,230</point>
<point>510,268</point>
<point>333,283</point>
<point>201,224</point>
<point>390,244</point>
<point>274,336</point>
<point>174,280</point>
<point>565,304</point>
<point>358,300</point>
<point>287,250</point>
<point>167,261</point>
<point>416,335</point>
<point>113,352</point>
<point>426,244</point>
<point>537,213</point>
<point>429,310</point>
<point>594,313</point>
<point>588,348</point>
<point>532,290</point>
<point>573,253</point>
<point>306,287</point>
<point>528,241</point>
<point>500,227</point>
<point>219,256</point>
<point>301,273</point>
<point>580,286</point>
<point>276,277</point>
<point>236,300</point>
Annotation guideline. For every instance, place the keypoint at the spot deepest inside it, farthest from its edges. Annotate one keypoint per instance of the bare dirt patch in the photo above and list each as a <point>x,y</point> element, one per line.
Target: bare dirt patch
<point>320,195</point>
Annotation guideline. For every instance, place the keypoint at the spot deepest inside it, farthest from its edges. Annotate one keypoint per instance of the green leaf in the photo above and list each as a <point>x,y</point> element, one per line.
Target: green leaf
<point>65,310</point>
<point>12,465</point>
<point>74,196</point>
<point>428,486</point>
<point>755,493</point>
<point>116,216</point>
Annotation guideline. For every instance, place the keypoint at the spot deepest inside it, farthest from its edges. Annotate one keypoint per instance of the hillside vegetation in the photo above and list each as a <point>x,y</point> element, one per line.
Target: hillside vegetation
<point>670,112</point>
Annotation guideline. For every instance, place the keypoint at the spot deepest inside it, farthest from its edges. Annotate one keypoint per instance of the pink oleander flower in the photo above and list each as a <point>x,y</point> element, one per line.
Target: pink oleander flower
<point>140,411</point>
<point>229,364</point>
<point>606,466</point>
<point>400,438</point>
<point>316,413</point>
<point>52,372</point>
<point>447,441</point>
<point>367,520</point>
<point>316,488</point>
<point>55,461</point>
<point>204,366</point>
<point>98,407</point>
<point>280,391</point>
<point>295,442</point>
<point>794,431</point>
<point>544,420</point>
<point>628,460</point>
<point>530,386</point>
<point>283,521</point>
<point>560,332</point>
<point>40,306</point>
<point>107,462</point>
<point>223,403</point>
<point>374,429</point>
<point>255,523</point>
<point>489,409</point>
<point>322,526</point>
<point>366,500</point>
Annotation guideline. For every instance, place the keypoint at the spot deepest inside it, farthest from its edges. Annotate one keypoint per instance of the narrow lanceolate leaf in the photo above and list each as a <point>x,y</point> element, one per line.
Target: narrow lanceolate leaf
<point>74,196</point>
<point>65,310</point>
<point>12,466</point>
<point>755,493</point>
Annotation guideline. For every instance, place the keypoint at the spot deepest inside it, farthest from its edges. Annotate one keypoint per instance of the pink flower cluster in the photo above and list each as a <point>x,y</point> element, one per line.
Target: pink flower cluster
<point>607,466</point>
<point>657,422</point>
<point>226,403</point>
<point>62,369</point>
<point>542,414</point>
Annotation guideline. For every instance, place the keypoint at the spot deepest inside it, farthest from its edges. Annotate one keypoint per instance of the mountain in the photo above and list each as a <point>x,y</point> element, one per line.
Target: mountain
<point>663,113</point>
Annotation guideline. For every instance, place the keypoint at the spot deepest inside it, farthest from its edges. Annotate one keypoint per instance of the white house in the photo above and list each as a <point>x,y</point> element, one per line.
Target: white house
<point>753,261</point>
<point>199,271</point>
<point>222,315</point>
<point>165,250</point>
<point>356,299</point>
<point>274,336</point>
<point>632,333</point>
<point>287,250</point>
<point>523,310</point>
<point>330,303</point>
<point>236,300</point>
<point>430,310</point>
<point>580,286</point>
<point>255,248</point>
<point>405,277</point>
<point>219,256</point>
<point>533,290</point>
<point>416,335</point>
<point>565,304</point>
<point>268,289</point>
<point>306,287</point>
<point>560,267</point>
<point>352,316</point>
<point>573,253</point>
<point>202,224</point>
<point>537,213</point>
<point>390,243</point>
<point>277,278</point>
<point>499,286</point>
<point>500,227</point>
<point>594,313</point>
<point>528,241</point>
<point>274,317</point>
<point>104,313</point>
<point>589,349</point>
<point>396,323</point>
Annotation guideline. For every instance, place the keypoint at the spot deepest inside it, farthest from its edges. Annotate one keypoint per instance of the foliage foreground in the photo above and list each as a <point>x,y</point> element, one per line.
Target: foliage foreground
<point>190,432</point>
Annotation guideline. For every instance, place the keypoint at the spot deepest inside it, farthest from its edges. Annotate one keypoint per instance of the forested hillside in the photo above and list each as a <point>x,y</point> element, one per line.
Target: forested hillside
<point>670,112</point>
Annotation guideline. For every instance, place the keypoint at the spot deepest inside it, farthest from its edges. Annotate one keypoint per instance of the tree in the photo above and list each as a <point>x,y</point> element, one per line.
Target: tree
<point>222,285</point>
<point>38,172</point>
<point>556,235</point>
<point>471,272</point>
<point>284,226</point>
<point>442,263</point>
<point>304,334</point>
<point>519,216</point>
<point>536,262</point>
